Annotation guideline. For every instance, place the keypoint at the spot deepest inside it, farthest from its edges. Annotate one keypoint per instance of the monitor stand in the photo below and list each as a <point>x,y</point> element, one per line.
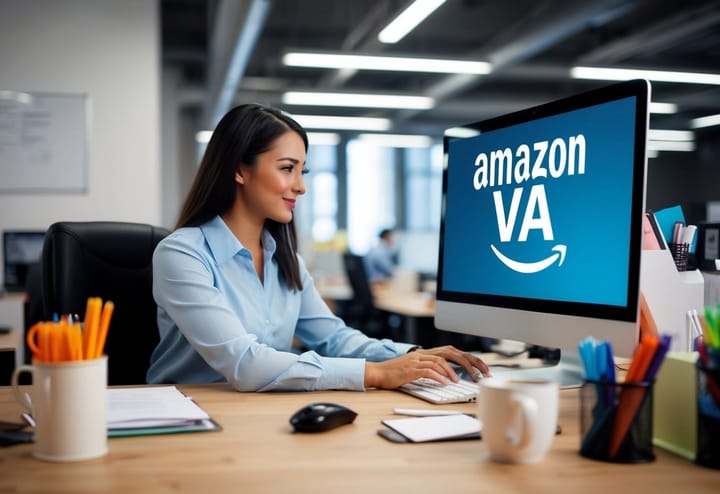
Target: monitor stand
<point>568,372</point>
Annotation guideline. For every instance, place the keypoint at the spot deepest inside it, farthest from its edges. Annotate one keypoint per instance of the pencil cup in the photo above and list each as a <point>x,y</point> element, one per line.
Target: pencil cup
<point>680,255</point>
<point>68,401</point>
<point>708,430</point>
<point>616,421</point>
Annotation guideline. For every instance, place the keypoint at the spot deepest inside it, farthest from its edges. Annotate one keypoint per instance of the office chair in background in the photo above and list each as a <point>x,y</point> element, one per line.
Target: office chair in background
<point>360,312</point>
<point>111,260</point>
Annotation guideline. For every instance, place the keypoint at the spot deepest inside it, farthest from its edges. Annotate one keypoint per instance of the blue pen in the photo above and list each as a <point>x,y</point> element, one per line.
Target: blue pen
<point>610,372</point>
<point>658,358</point>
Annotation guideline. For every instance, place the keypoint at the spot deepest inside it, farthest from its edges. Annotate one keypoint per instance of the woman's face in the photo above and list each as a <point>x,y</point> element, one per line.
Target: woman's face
<point>271,187</point>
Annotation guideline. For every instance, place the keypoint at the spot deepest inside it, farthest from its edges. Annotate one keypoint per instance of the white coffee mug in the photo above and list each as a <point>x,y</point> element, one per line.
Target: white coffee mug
<point>68,401</point>
<point>519,418</point>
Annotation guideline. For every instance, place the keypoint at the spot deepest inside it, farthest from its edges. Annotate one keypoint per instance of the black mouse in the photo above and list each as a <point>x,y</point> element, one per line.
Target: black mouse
<point>320,417</point>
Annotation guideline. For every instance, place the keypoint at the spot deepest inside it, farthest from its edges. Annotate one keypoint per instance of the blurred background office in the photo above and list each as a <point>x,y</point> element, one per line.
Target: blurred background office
<point>155,75</point>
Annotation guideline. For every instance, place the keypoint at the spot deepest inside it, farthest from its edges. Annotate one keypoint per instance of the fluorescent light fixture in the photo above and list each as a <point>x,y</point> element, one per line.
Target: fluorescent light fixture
<point>397,140</point>
<point>666,108</point>
<point>461,132</point>
<point>708,121</point>
<point>615,74</point>
<point>670,135</point>
<point>359,100</point>
<point>396,64</point>
<point>408,19</point>
<point>671,146</point>
<point>323,138</point>
<point>203,136</point>
<point>345,123</point>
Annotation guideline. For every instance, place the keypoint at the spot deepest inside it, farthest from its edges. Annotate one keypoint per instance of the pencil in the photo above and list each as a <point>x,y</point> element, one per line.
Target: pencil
<point>92,318</point>
<point>105,317</point>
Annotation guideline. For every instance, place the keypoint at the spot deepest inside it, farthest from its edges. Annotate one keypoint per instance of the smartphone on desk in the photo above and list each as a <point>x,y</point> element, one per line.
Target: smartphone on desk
<point>5,329</point>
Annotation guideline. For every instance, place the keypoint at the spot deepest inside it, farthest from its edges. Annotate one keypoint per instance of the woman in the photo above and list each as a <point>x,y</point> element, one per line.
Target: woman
<point>232,292</point>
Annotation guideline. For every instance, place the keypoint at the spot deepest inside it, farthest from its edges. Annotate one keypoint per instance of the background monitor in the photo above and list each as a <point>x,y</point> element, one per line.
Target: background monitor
<point>540,237</point>
<point>21,249</point>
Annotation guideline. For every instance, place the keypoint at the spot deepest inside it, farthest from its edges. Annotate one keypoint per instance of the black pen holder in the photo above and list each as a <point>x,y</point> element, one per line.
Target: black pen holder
<point>616,421</point>
<point>708,430</point>
<point>680,253</point>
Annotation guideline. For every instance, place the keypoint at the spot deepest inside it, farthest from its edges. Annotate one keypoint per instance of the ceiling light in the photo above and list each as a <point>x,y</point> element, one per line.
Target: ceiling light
<point>461,132</point>
<point>397,64</point>
<point>671,146</point>
<point>359,100</point>
<point>346,123</point>
<point>408,19</point>
<point>670,135</point>
<point>667,108</point>
<point>203,136</point>
<point>323,138</point>
<point>611,74</point>
<point>709,121</point>
<point>397,140</point>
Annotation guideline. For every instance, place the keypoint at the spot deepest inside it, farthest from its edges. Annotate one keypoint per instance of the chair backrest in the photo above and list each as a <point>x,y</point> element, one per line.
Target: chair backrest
<point>357,276</point>
<point>111,260</point>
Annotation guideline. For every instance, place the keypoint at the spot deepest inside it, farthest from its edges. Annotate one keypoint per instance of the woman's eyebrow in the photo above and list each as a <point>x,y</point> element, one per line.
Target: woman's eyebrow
<point>287,158</point>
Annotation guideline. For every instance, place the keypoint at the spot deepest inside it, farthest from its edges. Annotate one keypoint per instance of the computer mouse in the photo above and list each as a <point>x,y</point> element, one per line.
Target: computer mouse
<point>320,417</point>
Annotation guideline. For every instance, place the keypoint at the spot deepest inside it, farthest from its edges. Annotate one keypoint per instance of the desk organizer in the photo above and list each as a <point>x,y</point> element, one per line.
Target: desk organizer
<point>616,421</point>
<point>670,294</point>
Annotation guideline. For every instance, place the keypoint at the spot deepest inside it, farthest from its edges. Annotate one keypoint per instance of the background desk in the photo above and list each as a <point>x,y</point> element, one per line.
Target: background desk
<point>258,453</point>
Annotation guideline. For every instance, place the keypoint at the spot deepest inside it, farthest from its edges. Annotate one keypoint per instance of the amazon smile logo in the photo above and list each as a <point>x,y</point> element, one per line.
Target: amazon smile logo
<point>533,267</point>
<point>541,160</point>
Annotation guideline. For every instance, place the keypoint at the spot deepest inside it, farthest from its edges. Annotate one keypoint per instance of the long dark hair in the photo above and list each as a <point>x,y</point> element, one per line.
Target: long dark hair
<point>241,135</point>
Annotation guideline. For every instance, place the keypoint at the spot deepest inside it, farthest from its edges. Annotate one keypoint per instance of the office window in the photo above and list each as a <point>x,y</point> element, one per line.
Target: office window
<point>423,188</point>
<point>371,193</point>
<point>322,193</point>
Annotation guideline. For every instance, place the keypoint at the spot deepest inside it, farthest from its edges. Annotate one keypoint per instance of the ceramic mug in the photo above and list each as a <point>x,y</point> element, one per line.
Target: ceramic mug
<point>68,401</point>
<point>519,418</point>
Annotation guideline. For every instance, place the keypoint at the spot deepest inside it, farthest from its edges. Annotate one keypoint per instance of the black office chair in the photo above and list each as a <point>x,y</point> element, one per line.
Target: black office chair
<point>360,312</point>
<point>111,260</point>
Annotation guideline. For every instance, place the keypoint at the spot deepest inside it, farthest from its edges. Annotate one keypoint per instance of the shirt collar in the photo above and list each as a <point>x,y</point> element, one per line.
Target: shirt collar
<point>224,244</point>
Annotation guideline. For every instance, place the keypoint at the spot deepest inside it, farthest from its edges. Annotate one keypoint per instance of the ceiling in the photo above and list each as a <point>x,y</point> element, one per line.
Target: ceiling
<point>532,44</point>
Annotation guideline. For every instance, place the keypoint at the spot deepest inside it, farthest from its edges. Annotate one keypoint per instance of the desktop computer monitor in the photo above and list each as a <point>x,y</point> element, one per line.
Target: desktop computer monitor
<point>21,249</point>
<point>540,237</point>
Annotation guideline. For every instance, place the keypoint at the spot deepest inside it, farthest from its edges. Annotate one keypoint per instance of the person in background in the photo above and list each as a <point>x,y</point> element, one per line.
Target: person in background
<point>379,262</point>
<point>232,291</point>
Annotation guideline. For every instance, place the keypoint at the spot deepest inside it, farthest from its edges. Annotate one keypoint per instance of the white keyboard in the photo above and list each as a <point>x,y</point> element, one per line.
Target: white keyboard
<point>460,392</point>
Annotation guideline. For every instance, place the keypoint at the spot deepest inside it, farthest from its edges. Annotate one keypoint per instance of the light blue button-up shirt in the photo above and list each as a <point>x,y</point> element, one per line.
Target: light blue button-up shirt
<point>218,322</point>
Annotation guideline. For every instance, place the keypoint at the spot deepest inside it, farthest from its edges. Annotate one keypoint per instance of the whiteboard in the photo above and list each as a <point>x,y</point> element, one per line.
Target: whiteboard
<point>43,142</point>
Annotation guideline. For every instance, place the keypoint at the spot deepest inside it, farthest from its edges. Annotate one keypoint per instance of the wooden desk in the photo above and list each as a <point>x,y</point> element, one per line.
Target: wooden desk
<point>258,453</point>
<point>411,305</point>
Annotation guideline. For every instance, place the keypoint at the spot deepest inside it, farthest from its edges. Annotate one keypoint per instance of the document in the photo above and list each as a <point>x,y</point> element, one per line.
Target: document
<point>154,410</point>
<point>436,428</point>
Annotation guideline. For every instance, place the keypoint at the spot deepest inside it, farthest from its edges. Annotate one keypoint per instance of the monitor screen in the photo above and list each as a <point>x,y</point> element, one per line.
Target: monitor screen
<point>540,236</point>
<point>21,249</point>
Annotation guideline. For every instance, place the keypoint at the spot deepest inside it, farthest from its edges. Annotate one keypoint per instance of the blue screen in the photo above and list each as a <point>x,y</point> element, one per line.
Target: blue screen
<point>543,209</point>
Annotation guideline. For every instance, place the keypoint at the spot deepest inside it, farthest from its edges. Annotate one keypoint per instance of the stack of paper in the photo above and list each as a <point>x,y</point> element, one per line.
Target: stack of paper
<point>154,410</point>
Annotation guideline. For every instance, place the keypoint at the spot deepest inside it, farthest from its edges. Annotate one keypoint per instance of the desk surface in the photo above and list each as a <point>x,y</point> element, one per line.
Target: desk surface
<point>10,342</point>
<point>257,452</point>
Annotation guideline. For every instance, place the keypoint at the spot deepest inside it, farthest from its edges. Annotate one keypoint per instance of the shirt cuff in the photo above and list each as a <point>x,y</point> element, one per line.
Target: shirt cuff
<point>344,373</point>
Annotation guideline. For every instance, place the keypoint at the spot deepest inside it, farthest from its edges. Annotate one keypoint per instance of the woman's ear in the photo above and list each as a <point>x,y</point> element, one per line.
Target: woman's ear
<point>239,176</point>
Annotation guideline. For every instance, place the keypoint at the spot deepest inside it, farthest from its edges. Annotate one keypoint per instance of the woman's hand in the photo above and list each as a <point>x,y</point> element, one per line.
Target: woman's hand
<point>431,363</point>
